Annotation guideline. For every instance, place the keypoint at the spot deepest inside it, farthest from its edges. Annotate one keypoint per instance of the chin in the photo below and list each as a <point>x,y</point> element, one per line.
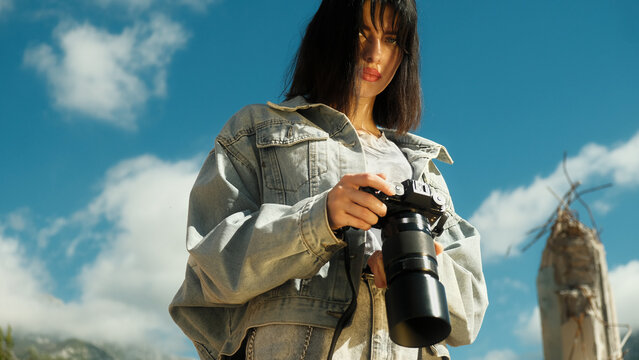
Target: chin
<point>368,93</point>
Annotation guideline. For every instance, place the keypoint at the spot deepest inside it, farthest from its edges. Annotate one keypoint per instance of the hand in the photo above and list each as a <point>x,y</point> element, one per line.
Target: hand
<point>346,205</point>
<point>376,263</point>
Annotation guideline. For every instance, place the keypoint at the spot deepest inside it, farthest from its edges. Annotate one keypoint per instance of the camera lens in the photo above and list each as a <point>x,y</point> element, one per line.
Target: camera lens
<point>416,305</point>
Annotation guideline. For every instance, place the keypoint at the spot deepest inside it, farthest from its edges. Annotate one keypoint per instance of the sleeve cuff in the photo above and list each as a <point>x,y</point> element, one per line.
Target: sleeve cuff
<point>316,233</point>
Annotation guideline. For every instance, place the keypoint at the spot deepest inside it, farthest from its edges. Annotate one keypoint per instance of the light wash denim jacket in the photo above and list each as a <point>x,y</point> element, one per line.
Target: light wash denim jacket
<point>261,250</point>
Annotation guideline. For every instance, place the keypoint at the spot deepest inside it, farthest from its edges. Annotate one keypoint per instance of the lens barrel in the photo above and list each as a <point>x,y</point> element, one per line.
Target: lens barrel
<point>416,305</point>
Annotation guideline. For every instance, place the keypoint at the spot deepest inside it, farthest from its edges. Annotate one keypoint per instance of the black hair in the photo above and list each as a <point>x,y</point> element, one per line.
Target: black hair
<point>324,69</point>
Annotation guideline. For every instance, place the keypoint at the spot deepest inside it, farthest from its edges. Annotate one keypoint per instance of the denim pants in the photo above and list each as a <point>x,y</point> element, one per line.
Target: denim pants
<point>366,337</point>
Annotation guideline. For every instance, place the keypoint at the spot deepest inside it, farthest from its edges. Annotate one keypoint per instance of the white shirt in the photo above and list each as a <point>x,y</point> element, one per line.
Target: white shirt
<point>382,156</point>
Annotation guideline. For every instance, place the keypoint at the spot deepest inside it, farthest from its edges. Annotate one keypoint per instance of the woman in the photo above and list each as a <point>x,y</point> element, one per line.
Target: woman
<point>268,213</point>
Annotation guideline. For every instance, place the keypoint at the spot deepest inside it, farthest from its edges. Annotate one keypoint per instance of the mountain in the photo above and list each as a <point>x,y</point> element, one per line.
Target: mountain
<point>44,347</point>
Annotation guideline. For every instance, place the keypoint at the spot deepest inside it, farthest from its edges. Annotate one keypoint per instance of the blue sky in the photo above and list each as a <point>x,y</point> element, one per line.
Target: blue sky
<point>107,109</point>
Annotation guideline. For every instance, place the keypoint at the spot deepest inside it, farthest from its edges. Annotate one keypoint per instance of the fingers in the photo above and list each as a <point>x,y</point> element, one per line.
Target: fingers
<point>439,248</point>
<point>346,219</point>
<point>347,205</point>
<point>346,209</point>
<point>376,263</point>
<point>377,181</point>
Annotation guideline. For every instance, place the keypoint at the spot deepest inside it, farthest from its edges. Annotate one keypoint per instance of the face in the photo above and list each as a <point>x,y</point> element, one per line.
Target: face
<point>380,55</point>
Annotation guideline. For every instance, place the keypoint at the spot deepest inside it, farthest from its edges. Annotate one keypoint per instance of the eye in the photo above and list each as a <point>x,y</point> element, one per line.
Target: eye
<point>391,40</point>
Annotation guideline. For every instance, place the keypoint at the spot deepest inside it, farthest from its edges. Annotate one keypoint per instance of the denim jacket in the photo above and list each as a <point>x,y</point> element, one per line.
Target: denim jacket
<point>261,249</point>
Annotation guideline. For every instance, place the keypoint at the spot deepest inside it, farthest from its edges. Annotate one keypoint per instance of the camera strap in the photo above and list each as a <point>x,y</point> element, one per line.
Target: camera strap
<point>350,310</point>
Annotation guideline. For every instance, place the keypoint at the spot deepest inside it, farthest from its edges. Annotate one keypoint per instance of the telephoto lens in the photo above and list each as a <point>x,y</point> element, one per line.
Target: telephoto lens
<point>416,305</point>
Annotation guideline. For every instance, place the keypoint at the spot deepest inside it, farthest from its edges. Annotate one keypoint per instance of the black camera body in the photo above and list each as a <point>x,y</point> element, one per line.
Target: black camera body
<point>416,306</point>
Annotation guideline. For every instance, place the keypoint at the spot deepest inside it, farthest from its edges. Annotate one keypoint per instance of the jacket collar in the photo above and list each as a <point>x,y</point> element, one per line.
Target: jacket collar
<point>294,104</point>
<point>410,141</point>
<point>419,144</point>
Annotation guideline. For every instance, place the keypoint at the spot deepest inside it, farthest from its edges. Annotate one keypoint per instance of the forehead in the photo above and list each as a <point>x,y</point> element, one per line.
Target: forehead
<point>378,14</point>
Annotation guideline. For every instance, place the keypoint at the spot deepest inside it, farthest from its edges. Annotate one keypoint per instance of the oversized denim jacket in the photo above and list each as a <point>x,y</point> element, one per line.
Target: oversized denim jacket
<point>261,250</point>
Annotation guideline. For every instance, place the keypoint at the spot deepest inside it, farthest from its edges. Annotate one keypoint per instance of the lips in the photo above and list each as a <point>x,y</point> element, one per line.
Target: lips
<point>371,74</point>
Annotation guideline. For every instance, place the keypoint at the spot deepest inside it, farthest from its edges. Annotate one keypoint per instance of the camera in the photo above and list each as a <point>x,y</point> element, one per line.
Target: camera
<point>416,306</point>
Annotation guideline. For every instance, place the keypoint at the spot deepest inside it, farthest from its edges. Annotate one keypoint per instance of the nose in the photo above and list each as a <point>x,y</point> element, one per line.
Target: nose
<point>372,49</point>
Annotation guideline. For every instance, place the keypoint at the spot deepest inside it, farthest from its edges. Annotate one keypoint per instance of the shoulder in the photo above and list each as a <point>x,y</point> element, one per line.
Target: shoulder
<point>248,119</point>
<point>417,146</point>
<point>255,118</point>
<point>272,124</point>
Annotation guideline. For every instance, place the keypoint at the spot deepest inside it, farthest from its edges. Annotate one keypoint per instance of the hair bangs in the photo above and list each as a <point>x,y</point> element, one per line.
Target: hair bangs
<point>404,19</point>
<point>324,68</point>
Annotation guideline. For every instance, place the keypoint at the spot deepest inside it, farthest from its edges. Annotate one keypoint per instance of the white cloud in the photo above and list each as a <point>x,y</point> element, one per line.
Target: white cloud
<point>516,285</point>
<point>623,282</point>
<point>17,220</point>
<point>199,5</point>
<point>23,280</point>
<point>528,328</point>
<point>5,5</point>
<point>134,5</point>
<point>108,77</point>
<point>125,292</point>
<point>601,207</point>
<point>141,5</point>
<point>505,217</point>
<point>501,354</point>
<point>147,199</point>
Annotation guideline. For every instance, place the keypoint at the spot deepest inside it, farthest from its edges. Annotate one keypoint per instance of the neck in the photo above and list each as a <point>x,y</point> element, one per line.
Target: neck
<point>362,116</point>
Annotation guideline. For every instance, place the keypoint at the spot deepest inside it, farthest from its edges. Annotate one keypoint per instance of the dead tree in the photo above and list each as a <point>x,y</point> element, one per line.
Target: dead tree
<point>578,316</point>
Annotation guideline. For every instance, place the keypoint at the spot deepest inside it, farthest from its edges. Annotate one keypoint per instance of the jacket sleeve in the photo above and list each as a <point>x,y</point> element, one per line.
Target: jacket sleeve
<point>239,247</point>
<point>460,271</point>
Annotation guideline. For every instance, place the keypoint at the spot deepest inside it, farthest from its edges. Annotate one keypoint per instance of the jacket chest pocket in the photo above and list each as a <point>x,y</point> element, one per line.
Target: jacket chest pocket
<point>293,158</point>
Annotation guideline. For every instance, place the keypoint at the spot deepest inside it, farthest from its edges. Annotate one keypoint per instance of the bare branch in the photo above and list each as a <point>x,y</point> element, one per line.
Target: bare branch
<point>565,203</point>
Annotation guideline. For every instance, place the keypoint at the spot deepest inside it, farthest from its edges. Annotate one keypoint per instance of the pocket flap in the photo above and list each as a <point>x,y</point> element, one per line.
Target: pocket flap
<point>287,133</point>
